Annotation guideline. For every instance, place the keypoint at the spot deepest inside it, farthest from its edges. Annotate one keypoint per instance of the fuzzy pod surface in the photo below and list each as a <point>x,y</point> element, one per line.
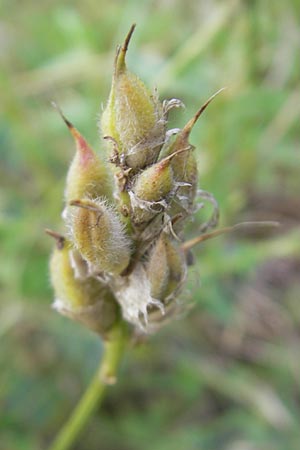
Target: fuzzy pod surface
<point>125,212</point>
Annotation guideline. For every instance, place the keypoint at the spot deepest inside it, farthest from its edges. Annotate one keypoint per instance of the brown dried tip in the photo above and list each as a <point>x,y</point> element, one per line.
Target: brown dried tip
<point>60,239</point>
<point>122,50</point>
<point>128,37</point>
<point>59,110</point>
<point>204,237</point>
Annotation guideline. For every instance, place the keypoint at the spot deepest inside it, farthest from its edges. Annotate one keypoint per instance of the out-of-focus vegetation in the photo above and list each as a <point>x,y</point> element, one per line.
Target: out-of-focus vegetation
<point>228,375</point>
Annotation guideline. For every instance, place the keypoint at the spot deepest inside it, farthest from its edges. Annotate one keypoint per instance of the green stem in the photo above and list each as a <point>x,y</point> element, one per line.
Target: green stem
<point>105,375</point>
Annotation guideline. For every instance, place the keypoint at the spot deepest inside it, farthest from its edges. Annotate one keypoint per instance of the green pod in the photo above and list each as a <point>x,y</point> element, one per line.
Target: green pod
<point>85,300</point>
<point>88,175</point>
<point>186,176</point>
<point>166,267</point>
<point>156,182</point>
<point>99,236</point>
<point>133,117</point>
<point>153,189</point>
<point>185,166</point>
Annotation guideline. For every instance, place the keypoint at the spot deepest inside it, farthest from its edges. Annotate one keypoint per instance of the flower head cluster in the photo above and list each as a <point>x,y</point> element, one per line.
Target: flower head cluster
<point>123,256</point>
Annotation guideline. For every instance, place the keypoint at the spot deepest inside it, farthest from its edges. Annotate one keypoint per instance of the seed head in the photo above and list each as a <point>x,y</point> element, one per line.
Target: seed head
<point>124,251</point>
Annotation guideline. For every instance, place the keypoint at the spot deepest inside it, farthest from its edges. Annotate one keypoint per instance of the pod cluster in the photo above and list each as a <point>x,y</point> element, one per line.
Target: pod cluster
<point>121,256</point>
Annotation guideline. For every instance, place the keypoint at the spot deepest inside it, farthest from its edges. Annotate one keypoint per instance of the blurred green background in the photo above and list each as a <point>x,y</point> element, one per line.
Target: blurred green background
<point>228,375</point>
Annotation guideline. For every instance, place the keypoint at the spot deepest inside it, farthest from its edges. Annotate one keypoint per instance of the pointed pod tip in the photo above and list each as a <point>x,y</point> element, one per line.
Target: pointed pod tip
<point>59,110</point>
<point>189,126</point>
<point>82,144</point>
<point>128,38</point>
<point>122,50</point>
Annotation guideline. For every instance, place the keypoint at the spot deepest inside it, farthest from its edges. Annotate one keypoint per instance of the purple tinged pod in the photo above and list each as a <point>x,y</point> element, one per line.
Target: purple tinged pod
<point>88,175</point>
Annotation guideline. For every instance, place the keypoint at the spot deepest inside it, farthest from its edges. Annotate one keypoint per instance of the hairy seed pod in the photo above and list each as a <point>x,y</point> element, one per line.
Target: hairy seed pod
<point>133,117</point>
<point>185,165</point>
<point>152,188</point>
<point>156,182</point>
<point>166,267</point>
<point>183,168</point>
<point>157,269</point>
<point>176,264</point>
<point>99,235</point>
<point>87,175</point>
<point>87,301</point>
<point>186,174</point>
